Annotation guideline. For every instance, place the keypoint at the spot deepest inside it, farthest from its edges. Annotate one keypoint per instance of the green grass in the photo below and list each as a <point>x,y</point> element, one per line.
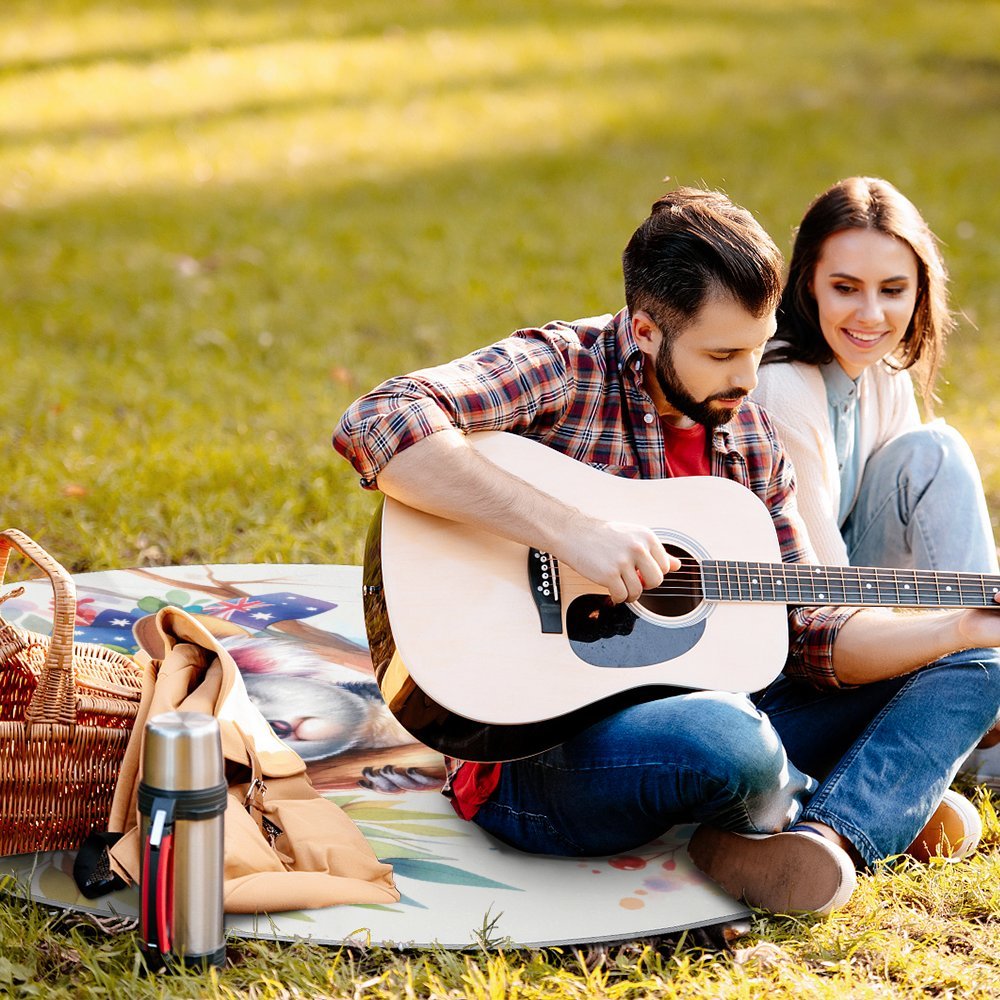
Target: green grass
<point>221,221</point>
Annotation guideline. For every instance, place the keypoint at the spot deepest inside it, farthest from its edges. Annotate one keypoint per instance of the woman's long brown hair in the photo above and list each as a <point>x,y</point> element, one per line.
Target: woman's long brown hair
<point>866,203</point>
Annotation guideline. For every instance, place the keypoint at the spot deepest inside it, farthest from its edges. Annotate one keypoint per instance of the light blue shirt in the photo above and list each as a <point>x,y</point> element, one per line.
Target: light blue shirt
<point>842,402</point>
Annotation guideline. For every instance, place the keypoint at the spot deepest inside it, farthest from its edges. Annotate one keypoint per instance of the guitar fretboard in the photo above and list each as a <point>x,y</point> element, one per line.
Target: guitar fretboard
<point>792,583</point>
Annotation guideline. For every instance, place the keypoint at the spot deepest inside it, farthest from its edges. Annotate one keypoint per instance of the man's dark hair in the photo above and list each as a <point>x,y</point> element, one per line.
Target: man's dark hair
<point>694,244</point>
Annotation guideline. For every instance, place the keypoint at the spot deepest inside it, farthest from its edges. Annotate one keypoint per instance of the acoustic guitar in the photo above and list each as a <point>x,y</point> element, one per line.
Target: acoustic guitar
<point>488,650</point>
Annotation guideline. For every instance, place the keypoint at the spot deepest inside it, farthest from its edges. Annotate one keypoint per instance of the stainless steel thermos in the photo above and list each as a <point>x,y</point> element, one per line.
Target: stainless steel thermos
<point>182,801</point>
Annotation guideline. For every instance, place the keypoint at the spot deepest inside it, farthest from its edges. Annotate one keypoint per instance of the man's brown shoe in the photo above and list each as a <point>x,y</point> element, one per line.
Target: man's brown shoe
<point>790,872</point>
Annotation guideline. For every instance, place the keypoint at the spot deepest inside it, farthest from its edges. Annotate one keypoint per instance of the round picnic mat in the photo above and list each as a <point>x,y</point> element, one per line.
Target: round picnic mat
<point>302,642</point>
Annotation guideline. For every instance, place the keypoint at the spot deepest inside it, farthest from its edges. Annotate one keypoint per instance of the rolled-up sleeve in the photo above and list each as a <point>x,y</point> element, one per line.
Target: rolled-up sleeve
<point>515,384</point>
<point>812,632</point>
<point>382,423</point>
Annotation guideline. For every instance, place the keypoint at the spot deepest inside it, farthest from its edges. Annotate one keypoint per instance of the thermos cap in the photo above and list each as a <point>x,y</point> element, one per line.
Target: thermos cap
<point>182,752</point>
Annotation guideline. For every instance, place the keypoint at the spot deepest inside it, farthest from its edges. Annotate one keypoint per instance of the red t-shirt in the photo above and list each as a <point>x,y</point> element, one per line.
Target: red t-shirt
<point>686,450</point>
<point>686,455</point>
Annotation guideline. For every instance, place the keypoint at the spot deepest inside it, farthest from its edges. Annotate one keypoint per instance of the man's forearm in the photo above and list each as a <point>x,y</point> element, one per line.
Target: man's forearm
<point>444,475</point>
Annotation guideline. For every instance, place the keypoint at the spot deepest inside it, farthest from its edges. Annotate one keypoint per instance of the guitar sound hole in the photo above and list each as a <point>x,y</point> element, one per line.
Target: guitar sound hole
<point>680,593</point>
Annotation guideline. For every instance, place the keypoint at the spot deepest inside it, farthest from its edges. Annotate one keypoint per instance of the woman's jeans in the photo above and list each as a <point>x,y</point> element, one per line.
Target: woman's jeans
<point>921,506</point>
<point>696,756</point>
<point>884,753</point>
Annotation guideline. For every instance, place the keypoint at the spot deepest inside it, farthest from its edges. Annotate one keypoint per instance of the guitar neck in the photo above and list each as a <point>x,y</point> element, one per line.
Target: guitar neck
<point>801,583</point>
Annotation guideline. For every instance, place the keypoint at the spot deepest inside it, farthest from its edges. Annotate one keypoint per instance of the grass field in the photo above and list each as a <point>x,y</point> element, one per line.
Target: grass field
<point>221,221</point>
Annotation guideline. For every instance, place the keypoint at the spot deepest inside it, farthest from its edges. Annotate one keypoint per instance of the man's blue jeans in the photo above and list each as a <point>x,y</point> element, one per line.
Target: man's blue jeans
<point>872,762</point>
<point>695,756</point>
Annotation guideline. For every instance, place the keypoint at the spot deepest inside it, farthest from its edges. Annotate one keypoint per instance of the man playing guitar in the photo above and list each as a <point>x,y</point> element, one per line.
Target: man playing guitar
<point>839,763</point>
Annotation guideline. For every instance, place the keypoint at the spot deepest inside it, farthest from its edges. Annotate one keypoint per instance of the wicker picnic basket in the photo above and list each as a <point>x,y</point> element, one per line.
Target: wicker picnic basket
<point>66,712</point>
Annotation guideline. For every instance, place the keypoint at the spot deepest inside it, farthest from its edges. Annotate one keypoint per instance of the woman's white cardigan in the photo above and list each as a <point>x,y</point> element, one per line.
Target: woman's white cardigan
<point>794,394</point>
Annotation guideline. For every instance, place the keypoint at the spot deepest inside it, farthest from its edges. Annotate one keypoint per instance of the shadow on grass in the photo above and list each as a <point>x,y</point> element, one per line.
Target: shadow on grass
<point>182,357</point>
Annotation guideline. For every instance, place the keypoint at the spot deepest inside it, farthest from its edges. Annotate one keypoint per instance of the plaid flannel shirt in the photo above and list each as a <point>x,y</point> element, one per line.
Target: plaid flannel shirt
<point>577,387</point>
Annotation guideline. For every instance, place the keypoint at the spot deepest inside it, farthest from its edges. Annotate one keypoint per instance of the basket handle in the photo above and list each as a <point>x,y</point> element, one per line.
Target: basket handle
<point>54,700</point>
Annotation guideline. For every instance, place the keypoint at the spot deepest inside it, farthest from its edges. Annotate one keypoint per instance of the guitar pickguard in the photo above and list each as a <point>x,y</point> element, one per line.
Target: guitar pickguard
<point>612,635</point>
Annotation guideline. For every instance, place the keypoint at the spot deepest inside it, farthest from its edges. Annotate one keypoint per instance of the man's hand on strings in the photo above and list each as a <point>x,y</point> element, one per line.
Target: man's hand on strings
<point>624,558</point>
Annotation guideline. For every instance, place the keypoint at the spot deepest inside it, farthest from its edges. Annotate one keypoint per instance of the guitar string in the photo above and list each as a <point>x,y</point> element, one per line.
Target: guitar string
<point>688,581</point>
<point>834,599</point>
<point>680,582</point>
<point>803,572</point>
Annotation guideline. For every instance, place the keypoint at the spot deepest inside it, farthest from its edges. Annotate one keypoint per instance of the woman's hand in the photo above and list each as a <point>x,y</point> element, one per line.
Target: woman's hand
<point>980,627</point>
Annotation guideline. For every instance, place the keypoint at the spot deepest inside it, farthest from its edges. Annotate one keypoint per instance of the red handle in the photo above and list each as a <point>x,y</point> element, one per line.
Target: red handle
<point>165,893</point>
<point>156,909</point>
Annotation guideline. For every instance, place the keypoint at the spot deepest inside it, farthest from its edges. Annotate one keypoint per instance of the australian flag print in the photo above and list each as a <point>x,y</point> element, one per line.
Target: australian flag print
<point>110,628</point>
<point>262,610</point>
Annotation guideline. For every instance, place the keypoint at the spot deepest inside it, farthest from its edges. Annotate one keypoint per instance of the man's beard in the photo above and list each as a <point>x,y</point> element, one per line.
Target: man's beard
<point>680,399</point>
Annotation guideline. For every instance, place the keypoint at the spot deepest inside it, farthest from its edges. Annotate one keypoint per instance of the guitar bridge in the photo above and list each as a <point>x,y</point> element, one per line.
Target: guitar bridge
<point>543,578</point>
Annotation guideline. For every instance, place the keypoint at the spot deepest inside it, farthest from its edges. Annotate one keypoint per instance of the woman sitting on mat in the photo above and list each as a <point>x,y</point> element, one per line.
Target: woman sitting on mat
<point>865,304</point>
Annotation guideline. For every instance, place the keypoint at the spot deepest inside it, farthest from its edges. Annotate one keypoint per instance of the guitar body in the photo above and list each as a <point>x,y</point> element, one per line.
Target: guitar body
<point>472,664</point>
